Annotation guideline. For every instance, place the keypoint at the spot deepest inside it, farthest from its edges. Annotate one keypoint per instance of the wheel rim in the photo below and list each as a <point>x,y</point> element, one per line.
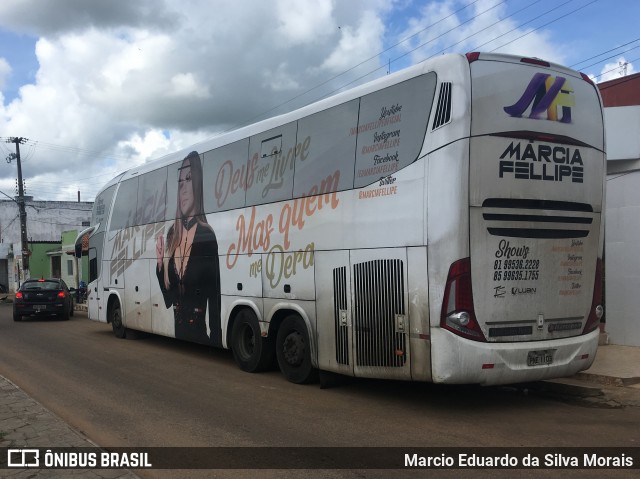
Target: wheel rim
<point>117,321</point>
<point>247,342</point>
<point>293,348</point>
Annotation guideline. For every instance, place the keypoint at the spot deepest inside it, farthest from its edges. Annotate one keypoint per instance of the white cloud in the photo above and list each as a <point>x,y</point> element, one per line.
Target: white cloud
<point>617,69</point>
<point>357,43</point>
<point>442,28</point>
<point>299,24</point>
<point>120,82</point>
<point>5,71</point>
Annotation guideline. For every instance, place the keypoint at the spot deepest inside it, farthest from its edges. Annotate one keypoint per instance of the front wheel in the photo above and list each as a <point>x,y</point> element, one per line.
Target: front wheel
<point>116,321</point>
<point>294,352</point>
<point>251,351</point>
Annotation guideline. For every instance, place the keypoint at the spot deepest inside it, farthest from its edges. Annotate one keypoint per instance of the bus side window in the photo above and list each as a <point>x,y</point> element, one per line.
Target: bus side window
<point>272,156</point>
<point>392,128</point>
<point>125,206</point>
<point>152,196</point>
<point>326,159</point>
<point>93,265</point>
<point>225,171</point>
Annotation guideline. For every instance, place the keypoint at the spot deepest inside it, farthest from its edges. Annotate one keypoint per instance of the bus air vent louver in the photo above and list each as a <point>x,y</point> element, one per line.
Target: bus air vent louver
<point>443,111</point>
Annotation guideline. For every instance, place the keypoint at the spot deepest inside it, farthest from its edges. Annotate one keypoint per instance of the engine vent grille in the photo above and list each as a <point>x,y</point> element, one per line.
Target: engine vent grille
<point>340,309</point>
<point>378,299</point>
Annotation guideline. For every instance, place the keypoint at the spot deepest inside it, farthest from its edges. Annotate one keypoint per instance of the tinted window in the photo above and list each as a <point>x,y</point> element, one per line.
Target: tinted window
<point>391,128</point>
<point>93,265</point>
<point>101,208</point>
<point>124,208</point>
<point>152,195</point>
<point>225,175</point>
<point>272,156</point>
<point>326,159</point>
<point>41,285</point>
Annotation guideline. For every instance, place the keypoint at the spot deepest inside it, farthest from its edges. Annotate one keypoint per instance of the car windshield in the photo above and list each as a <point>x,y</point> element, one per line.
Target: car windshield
<point>32,285</point>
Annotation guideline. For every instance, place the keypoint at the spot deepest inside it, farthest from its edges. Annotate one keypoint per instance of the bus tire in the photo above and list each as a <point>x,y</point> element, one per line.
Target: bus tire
<point>294,352</point>
<point>115,318</point>
<point>251,352</point>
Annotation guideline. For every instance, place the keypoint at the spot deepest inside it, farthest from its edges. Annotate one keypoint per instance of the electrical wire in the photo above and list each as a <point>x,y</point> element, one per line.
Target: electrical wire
<point>38,186</point>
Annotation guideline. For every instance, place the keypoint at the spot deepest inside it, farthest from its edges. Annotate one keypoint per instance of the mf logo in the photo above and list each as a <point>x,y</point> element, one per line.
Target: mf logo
<point>547,93</point>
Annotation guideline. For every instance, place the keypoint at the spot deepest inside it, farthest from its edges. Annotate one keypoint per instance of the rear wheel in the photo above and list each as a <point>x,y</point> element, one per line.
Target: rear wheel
<point>294,352</point>
<point>116,321</point>
<point>17,317</point>
<point>251,351</point>
<point>71,309</point>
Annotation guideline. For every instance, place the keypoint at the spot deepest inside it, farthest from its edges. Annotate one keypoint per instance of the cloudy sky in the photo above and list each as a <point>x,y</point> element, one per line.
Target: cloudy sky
<point>98,87</point>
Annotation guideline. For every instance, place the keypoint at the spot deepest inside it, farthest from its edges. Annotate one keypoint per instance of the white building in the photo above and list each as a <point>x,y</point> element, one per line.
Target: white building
<point>46,220</point>
<point>621,98</point>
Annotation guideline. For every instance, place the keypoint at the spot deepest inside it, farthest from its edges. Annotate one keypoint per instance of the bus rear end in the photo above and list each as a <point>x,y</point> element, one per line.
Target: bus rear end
<point>526,304</point>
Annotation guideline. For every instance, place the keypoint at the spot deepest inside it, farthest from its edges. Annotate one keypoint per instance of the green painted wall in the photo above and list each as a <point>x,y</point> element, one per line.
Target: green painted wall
<point>39,261</point>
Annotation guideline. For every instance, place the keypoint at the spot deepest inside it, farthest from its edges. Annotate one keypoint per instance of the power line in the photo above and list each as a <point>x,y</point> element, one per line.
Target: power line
<point>37,186</point>
<point>612,56</point>
<point>604,53</point>
<point>546,24</point>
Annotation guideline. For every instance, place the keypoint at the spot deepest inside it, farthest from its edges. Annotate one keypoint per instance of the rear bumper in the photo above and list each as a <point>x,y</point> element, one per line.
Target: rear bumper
<point>41,309</point>
<point>456,360</point>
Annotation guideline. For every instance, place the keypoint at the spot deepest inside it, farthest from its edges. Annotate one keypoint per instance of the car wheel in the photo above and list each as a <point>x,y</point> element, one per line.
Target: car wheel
<point>17,317</point>
<point>293,351</point>
<point>71,310</point>
<point>116,321</point>
<point>251,351</point>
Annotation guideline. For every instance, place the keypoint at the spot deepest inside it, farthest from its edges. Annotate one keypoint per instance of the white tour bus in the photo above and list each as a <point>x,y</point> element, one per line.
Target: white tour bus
<point>441,224</point>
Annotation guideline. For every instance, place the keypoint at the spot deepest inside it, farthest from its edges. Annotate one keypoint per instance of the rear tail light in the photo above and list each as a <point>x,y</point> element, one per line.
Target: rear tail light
<point>61,294</point>
<point>535,61</point>
<point>473,56</point>
<point>597,311</point>
<point>586,78</point>
<point>458,315</point>
<point>19,295</point>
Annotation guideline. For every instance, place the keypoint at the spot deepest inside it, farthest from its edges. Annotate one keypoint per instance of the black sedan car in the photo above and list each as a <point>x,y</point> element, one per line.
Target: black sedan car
<point>45,297</point>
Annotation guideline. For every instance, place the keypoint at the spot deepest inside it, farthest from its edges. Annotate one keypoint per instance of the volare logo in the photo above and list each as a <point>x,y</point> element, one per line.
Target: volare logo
<point>548,94</point>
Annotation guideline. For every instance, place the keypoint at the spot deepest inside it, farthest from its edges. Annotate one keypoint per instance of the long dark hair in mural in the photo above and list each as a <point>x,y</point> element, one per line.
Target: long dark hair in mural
<point>188,269</point>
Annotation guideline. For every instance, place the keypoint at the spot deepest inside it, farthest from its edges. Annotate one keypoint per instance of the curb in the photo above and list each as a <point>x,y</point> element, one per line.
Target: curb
<point>607,380</point>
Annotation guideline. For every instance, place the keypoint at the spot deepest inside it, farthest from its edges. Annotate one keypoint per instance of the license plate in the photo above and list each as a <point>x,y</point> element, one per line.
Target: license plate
<point>40,307</point>
<point>540,358</point>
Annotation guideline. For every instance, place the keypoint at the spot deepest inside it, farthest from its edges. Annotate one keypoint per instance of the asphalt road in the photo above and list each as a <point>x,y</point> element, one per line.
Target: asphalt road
<point>162,392</point>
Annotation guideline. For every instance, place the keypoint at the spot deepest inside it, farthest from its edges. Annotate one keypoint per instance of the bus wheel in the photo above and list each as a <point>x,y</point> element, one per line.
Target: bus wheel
<point>116,321</point>
<point>294,352</point>
<point>251,351</point>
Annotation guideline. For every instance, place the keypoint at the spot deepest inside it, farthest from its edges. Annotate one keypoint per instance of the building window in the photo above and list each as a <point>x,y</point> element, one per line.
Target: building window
<point>70,267</point>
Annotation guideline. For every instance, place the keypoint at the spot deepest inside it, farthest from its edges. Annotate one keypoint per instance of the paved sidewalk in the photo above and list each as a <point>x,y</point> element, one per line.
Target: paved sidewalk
<point>26,423</point>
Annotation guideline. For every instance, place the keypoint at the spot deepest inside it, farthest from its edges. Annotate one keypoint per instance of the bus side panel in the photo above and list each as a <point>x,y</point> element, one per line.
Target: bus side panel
<point>448,219</point>
<point>137,296</point>
<point>162,321</point>
<point>418,306</point>
<point>333,307</point>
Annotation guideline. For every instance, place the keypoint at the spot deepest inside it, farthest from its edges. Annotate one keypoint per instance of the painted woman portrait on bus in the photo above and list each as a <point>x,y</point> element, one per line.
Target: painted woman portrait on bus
<point>188,269</point>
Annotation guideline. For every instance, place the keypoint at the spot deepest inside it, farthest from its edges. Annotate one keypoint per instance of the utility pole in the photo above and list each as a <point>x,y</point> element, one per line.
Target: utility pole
<point>23,213</point>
